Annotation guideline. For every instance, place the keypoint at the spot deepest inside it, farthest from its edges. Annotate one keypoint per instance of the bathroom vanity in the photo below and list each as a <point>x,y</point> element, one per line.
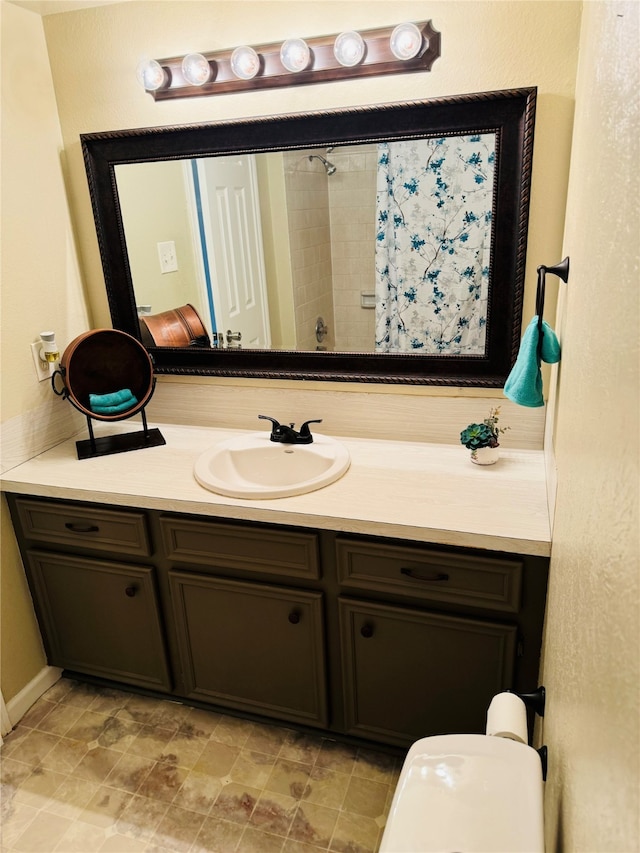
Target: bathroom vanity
<point>342,611</point>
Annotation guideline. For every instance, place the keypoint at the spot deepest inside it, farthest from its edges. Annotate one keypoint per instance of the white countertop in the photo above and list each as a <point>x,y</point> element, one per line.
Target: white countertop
<point>411,490</point>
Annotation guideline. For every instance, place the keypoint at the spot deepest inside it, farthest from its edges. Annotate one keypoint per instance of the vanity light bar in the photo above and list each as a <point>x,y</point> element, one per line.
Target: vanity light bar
<point>407,47</point>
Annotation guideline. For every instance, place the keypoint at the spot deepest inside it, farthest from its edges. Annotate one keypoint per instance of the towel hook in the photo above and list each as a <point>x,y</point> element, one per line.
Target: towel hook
<point>562,271</point>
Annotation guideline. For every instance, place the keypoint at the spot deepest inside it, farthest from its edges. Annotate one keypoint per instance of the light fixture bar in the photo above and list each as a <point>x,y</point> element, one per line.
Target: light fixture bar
<point>323,66</point>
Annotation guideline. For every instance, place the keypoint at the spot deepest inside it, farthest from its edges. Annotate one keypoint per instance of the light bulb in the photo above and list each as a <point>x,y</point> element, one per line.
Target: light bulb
<point>349,48</point>
<point>405,41</point>
<point>245,62</point>
<point>196,69</point>
<point>295,55</point>
<point>151,75</point>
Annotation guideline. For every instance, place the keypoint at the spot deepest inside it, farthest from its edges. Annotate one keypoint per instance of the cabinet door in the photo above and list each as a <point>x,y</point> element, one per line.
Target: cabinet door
<point>100,618</point>
<point>252,646</point>
<point>408,674</point>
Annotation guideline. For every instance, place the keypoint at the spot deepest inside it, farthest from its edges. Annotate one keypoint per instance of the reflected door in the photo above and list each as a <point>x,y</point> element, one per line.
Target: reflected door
<point>231,242</point>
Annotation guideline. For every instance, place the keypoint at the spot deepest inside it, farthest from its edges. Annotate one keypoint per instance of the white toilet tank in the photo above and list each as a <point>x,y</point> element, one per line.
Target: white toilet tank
<point>467,793</point>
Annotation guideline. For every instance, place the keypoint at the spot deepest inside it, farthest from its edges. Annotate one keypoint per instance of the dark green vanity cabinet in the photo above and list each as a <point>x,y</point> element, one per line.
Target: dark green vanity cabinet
<point>247,644</point>
<point>364,637</point>
<point>97,616</point>
<point>429,636</point>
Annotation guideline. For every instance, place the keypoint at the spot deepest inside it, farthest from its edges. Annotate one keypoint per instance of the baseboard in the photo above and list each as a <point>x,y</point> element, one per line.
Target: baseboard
<point>31,692</point>
<point>5,722</point>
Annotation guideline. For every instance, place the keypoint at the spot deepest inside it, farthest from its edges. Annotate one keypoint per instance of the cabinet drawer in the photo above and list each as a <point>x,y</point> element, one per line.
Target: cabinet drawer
<point>429,575</point>
<point>269,551</point>
<point>120,532</point>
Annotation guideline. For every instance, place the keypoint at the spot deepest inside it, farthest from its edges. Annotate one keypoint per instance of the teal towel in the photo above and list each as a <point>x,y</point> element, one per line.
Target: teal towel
<point>113,399</point>
<point>112,404</point>
<point>524,385</point>
<point>114,410</point>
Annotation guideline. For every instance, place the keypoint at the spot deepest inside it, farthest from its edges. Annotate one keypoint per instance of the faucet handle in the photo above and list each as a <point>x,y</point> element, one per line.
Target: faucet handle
<point>276,429</point>
<point>275,423</point>
<point>283,433</point>
<point>304,429</point>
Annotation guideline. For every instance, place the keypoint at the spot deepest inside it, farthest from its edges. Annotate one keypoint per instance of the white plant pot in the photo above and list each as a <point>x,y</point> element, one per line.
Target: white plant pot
<point>485,455</point>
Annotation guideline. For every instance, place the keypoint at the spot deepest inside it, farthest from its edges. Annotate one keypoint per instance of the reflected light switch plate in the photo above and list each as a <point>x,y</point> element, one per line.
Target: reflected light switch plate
<point>167,255</point>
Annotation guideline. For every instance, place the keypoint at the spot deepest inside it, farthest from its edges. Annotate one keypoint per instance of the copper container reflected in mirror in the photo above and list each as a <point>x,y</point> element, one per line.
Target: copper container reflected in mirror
<point>179,327</point>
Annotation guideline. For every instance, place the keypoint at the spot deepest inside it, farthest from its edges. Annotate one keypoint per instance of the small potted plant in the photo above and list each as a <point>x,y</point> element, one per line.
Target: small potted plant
<point>483,439</point>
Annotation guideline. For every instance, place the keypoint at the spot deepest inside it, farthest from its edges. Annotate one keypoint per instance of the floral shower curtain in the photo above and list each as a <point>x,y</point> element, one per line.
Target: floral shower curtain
<point>433,244</point>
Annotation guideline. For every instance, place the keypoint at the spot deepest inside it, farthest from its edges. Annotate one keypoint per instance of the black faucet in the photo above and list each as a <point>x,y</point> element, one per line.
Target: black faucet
<point>287,434</point>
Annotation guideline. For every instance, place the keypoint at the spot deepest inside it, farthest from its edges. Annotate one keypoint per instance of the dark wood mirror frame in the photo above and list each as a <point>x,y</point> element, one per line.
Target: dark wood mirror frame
<point>508,113</point>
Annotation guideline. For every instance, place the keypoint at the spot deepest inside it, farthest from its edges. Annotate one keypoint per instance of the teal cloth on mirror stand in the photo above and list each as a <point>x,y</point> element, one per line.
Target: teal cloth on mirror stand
<point>115,410</point>
<point>115,398</point>
<point>524,384</point>
<point>112,404</point>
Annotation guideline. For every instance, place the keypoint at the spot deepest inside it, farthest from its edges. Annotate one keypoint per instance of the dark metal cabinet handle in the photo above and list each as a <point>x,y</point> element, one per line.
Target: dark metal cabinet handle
<point>294,617</point>
<point>366,631</point>
<point>433,576</point>
<point>131,591</point>
<point>81,528</point>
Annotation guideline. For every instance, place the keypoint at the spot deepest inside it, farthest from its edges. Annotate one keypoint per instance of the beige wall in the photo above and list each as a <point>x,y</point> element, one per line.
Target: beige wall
<point>22,655</point>
<point>40,290</point>
<point>41,286</point>
<point>591,658</point>
<point>155,208</point>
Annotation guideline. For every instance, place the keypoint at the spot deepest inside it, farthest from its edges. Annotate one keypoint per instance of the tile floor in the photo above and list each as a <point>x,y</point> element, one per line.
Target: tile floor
<point>91,769</point>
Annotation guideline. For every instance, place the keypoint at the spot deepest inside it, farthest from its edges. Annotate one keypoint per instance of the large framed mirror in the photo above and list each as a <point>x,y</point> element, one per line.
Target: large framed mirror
<point>374,244</point>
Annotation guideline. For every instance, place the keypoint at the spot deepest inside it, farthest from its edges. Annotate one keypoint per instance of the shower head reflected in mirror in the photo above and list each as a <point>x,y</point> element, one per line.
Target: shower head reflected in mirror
<point>330,169</point>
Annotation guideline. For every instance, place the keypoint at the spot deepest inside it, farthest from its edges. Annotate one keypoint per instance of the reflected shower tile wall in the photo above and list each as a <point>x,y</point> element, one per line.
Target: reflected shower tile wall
<point>353,209</point>
<point>310,239</point>
<point>331,233</point>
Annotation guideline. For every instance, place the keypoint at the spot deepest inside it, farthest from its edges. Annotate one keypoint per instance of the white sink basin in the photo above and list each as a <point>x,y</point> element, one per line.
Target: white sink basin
<point>253,466</point>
